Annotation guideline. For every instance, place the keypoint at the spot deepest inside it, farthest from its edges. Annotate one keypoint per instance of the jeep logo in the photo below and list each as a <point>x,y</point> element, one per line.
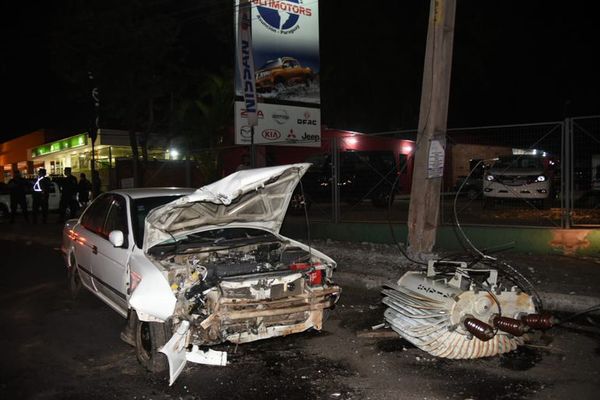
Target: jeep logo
<point>307,121</point>
<point>313,138</point>
<point>271,134</point>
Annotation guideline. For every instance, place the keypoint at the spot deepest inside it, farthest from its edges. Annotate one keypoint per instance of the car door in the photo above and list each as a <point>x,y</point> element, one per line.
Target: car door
<point>87,235</point>
<point>110,262</point>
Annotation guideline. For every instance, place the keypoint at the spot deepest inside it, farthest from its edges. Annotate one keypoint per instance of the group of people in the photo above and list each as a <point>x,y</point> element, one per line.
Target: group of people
<point>73,194</point>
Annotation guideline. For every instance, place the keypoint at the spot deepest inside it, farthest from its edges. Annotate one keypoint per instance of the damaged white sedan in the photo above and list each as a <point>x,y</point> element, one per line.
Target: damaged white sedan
<point>191,269</point>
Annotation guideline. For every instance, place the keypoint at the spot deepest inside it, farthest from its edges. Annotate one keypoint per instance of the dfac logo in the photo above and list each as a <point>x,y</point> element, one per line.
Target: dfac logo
<point>307,120</point>
<point>281,16</point>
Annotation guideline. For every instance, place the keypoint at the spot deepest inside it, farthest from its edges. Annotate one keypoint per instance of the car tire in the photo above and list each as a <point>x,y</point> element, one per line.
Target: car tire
<point>382,198</point>
<point>4,213</point>
<point>149,339</point>
<point>544,204</point>
<point>73,278</point>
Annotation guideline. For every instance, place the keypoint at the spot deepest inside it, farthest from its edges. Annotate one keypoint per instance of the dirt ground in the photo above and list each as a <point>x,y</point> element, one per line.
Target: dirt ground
<point>58,348</point>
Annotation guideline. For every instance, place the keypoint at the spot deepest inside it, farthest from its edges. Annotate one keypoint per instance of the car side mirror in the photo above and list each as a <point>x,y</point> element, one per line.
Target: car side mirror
<point>116,238</point>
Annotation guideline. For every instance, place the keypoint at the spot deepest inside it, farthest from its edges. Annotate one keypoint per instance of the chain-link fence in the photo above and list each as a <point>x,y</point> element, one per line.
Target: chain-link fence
<point>508,175</point>
<point>541,174</point>
<point>583,179</point>
<point>357,178</point>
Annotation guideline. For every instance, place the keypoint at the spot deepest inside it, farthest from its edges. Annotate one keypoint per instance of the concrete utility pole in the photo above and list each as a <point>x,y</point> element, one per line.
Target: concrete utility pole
<point>423,213</point>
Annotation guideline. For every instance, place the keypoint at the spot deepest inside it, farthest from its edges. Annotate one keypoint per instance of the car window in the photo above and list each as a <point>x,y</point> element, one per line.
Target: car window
<point>95,215</point>
<point>140,209</point>
<point>519,162</point>
<point>116,220</point>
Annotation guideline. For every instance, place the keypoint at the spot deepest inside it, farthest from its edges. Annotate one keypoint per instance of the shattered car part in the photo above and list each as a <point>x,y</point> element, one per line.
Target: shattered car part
<point>453,311</point>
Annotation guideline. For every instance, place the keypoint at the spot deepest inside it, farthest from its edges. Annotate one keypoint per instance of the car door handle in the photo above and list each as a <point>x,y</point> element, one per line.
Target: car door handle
<point>94,249</point>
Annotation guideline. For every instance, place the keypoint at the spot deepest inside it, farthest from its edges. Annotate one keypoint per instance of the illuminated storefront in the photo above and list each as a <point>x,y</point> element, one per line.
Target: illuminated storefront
<point>76,152</point>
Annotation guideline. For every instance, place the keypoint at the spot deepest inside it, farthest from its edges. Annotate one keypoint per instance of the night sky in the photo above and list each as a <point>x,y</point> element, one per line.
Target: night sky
<point>514,62</point>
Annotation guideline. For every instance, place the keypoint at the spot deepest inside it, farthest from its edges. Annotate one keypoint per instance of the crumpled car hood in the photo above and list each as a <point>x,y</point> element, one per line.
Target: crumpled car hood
<point>255,198</point>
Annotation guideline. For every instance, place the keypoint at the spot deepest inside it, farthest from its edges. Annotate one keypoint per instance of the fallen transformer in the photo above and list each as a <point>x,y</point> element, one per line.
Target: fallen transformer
<point>453,311</point>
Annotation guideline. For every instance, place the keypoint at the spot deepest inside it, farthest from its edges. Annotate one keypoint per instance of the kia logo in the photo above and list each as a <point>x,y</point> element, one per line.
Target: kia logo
<point>271,134</point>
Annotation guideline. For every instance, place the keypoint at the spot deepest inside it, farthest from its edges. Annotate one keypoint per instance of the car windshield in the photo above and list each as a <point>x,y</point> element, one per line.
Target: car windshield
<point>141,208</point>
<point>519,162</point>
<point>271,64</point>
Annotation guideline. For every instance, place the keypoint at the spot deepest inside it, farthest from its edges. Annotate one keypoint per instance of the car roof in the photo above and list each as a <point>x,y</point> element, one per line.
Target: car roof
<point>140,193</point>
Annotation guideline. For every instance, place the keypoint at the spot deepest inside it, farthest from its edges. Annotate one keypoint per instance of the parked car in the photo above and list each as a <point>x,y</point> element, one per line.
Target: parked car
<point>362,175</point>
<point>518,177</point>
<point>53,198</point>
<point>282,71</point>
<point>192,268</point>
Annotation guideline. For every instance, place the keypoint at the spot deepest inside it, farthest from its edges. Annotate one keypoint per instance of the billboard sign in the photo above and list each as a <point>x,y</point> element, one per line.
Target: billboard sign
<point>284,48</point>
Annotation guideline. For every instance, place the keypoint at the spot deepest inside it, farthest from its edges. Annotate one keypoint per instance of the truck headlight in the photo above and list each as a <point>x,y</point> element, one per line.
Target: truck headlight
<point>489,177</point>
<point>541,178</point>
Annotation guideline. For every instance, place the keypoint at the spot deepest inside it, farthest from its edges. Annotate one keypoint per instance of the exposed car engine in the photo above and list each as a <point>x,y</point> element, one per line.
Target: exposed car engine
<point>245,288</point>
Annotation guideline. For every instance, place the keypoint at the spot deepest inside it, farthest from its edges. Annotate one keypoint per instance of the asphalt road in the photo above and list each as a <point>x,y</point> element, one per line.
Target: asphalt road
<point>58,348</point>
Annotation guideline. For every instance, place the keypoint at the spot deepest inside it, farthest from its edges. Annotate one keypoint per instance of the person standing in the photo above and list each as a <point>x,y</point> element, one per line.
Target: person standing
<point>83,190</point>
<point>17,187</point>
<point>67,197</point>
<point>41,193</point>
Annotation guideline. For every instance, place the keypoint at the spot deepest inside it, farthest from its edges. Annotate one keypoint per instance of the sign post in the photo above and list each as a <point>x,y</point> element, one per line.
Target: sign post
<point>93,131</point>
<point>246,70</point>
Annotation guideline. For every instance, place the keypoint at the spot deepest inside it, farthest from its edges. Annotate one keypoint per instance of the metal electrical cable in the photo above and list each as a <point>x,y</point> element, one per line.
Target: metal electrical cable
<point>509,270</point>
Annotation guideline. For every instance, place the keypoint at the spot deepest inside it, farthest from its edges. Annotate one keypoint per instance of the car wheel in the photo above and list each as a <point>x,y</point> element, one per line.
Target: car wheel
<point>382,198</point>
<point>73,278</point>
<point>544,204</point>
<point>4,213</point>
<point>149,338</point>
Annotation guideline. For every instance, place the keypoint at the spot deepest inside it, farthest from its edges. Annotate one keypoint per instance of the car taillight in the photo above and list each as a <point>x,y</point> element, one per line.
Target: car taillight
<point>134,280</point>
<point>314,277</point>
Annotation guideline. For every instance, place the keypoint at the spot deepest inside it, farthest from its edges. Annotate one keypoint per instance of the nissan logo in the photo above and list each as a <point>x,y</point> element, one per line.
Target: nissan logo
<point>280,116</point>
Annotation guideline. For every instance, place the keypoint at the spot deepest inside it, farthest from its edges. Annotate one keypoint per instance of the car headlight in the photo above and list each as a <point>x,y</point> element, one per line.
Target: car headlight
<point>541,178</point>
<point>489,177</point>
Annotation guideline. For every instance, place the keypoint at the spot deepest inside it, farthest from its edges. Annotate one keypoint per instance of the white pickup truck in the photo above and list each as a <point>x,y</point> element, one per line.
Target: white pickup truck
<point>53,199</point>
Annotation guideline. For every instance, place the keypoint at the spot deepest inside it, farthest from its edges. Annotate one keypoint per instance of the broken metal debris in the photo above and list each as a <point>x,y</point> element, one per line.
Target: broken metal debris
<point>245,289</point>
